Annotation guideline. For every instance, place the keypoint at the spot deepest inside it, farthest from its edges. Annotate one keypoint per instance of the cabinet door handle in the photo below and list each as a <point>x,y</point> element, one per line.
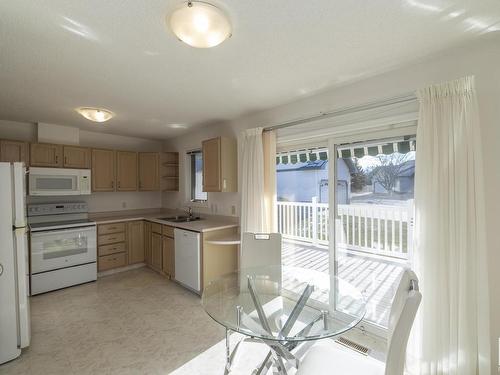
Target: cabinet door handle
<point>65,160</point>
<point>112,184</point>
<point>57,159</point>
<point>119,184</point>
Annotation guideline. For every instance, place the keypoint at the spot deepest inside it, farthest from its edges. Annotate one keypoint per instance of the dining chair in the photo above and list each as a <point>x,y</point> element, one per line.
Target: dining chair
<point>327,357</point>
<point>260,249</point>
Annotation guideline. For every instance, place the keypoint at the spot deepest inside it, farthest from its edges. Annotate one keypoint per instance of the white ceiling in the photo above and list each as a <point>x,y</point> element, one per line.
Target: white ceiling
<point>56,55</point>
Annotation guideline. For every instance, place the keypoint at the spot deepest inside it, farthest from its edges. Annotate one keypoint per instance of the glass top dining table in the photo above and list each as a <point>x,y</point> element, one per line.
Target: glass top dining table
<point>284,304</point>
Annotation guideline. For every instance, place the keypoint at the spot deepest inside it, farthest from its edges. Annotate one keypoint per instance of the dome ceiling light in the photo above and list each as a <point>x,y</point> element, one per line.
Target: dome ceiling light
<point>95,114</point>
<point>200,25</point>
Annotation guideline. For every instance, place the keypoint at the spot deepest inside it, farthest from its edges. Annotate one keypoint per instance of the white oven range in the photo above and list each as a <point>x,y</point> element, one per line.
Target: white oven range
<point>63,246</point>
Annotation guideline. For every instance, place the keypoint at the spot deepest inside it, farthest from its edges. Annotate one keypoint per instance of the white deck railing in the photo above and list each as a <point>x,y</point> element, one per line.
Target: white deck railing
<point>377,229</point>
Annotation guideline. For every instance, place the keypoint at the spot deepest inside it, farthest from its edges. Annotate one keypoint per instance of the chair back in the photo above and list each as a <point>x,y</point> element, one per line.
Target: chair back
<point>403,311</point>
<point>259,250</point>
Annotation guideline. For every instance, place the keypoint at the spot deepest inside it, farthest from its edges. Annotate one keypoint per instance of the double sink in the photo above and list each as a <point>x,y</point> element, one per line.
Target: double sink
<point>180,219</point>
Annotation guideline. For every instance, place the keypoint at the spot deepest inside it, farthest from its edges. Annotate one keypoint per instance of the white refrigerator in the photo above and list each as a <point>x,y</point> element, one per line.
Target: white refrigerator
<point>14,262</point>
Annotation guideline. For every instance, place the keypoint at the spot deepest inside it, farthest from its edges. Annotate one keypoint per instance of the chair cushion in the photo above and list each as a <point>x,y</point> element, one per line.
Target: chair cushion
<point>327,358</point>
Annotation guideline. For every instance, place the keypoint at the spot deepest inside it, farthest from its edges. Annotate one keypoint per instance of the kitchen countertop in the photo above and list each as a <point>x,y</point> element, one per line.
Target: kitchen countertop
<point>228,239</point>
<point>206,224</point>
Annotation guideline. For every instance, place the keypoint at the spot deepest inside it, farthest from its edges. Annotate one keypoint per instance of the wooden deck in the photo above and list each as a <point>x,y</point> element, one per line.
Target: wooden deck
<point>376,277</point>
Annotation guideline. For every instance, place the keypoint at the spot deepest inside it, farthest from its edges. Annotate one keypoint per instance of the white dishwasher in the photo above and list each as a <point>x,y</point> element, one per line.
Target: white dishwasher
<point>187,259</point>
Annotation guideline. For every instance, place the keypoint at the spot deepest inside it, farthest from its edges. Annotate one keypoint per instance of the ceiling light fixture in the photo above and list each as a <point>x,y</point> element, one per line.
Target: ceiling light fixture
<point>199,24</point>
<point>95,114</point>
<point>177,126</point>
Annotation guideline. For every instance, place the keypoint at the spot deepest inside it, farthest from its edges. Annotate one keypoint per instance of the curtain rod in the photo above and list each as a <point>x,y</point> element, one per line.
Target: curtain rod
<point>410,97</point>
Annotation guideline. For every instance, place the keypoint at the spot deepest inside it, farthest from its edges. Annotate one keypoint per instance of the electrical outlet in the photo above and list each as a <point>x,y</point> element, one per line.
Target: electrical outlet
<point>233,210</point>
<point>215,207</point>
<point>124,204</point>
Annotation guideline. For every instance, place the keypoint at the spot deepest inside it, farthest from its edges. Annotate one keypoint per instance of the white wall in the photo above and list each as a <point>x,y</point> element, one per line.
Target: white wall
<point>118,142</point>
<point>481,59</point>
<point>106,202</point>
<point>98,202</point>
<point>22,131</point>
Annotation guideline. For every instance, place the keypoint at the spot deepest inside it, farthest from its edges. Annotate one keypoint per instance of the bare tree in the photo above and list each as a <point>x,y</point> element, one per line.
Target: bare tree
<point>386,174</point>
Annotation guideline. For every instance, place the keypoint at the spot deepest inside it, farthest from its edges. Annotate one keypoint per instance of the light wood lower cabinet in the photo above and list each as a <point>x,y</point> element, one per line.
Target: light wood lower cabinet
<point>12,151</point>
<point>135,233</point>
<point>218,260</point>
<point>168,251</point>
<point>156,251</point>
<point>76,157</point>
<point>121,244</point>
<point>46,155</point>
<point>108,262</point>
<point>103,170</point>
<point>147,242</point>
<point>105,239</point>
<point>111,228</point>
<point>111,246</point>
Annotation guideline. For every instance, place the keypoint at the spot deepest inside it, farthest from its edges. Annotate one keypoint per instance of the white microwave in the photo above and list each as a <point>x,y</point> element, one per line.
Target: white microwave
<point>58,181</point>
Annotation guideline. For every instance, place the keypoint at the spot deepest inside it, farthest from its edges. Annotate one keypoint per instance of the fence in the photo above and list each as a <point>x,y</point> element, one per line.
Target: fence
<point>377,229</point>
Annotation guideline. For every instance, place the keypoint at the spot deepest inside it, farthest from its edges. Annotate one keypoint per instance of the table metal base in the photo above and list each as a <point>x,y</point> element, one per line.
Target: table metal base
<point>280,357</point>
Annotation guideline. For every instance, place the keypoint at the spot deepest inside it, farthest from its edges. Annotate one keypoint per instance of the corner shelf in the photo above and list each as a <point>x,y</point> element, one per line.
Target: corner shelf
<point>170,171</point>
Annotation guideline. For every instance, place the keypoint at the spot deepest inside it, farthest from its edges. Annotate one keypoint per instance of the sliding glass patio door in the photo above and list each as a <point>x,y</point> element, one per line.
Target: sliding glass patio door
<point>302,206</point>
<point>372,217</point>
<point>360,231</point>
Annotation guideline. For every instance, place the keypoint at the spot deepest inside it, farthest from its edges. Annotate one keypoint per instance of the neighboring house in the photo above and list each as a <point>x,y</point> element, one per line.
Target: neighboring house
<point>300,182</point>
<point>404,181</point>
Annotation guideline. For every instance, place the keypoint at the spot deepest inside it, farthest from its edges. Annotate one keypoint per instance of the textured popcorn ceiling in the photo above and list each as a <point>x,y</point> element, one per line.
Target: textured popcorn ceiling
<point>56,55</point>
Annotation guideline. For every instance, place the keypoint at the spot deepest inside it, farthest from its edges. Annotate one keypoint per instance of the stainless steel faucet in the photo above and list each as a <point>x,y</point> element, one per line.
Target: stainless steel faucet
<point>190,212</point>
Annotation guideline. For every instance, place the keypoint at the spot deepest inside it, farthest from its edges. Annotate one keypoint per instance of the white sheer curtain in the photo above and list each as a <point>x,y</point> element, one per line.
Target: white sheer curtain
<point>452,332</point>
<point>258,185</point>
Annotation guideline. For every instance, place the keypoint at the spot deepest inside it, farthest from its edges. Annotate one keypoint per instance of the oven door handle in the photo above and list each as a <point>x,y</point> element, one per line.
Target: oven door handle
<point>84,228</point>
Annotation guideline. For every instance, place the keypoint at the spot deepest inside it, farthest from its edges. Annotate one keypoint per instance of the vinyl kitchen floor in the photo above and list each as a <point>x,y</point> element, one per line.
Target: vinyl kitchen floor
<point>135,322</point>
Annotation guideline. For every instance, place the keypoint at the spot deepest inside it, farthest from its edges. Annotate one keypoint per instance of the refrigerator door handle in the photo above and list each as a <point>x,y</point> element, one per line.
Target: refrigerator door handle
<point>22,291</point>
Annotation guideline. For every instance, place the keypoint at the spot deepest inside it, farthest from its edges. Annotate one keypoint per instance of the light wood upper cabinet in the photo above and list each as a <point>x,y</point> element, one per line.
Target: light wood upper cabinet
<point>149,171</point>
<point>135,242</point>
<point>76,157</point>
<point>126,168</point>
<point>12,151</point>
<point>168,261</point>
<point>103,170</point>
<point>211,165</point>
<point>156,253</point>
<point>46,155</point>
<point>220,165</point>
